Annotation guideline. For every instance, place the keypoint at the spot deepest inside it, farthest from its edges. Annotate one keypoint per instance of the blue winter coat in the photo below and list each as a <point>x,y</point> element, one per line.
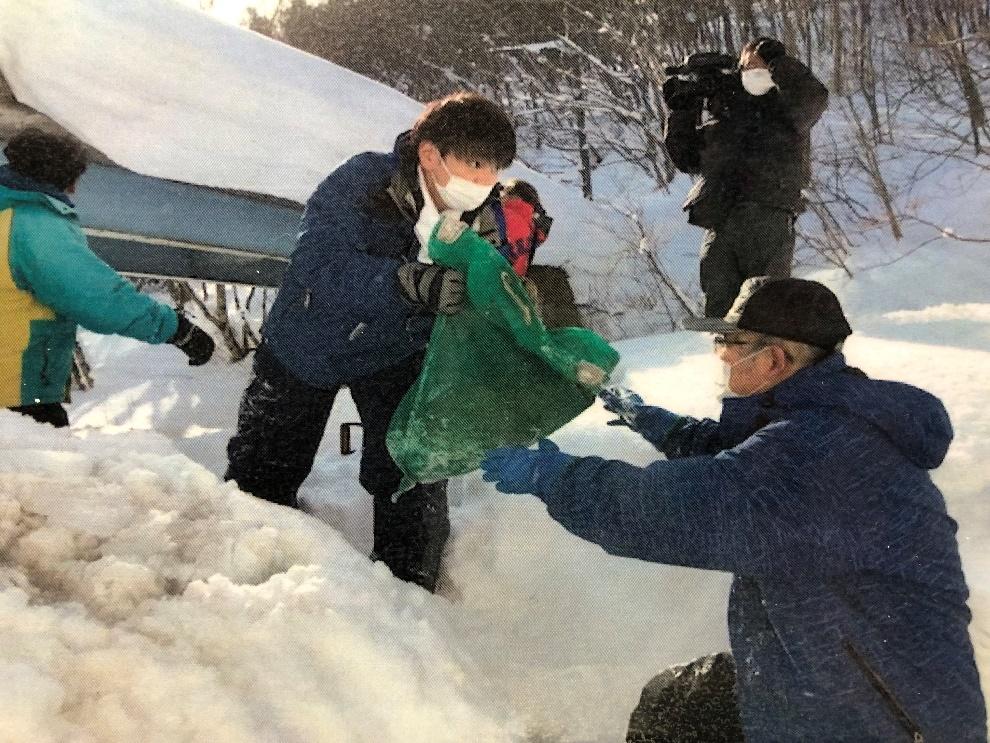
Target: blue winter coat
<point>339,311</point>
<point>816,496</point>
<point>339,314</point>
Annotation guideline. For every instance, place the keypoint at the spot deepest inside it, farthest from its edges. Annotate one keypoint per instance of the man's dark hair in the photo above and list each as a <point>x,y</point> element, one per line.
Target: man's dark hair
<point>51,158</point>
<point>468,126</point>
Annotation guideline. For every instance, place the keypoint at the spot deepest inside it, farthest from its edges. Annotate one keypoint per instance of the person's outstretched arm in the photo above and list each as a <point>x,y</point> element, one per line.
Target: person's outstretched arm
<point>675,435</point>
<point>51,258</point>
<point>747,510</point>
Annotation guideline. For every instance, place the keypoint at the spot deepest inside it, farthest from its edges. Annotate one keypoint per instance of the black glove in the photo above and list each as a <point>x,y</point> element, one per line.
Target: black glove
<point>770,49</point>
<point>437,288</point>
<point>679,93</point>
<point>193,341</point>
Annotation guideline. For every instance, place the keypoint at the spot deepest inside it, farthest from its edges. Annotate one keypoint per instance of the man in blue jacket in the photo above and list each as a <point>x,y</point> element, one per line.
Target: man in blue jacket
<point>356,308</point>
<point>50,281</point>
<point>847,615</point>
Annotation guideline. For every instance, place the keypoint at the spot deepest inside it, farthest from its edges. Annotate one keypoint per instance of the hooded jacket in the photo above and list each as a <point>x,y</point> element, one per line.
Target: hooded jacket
<point>50,281</point>
<point>847,578</point>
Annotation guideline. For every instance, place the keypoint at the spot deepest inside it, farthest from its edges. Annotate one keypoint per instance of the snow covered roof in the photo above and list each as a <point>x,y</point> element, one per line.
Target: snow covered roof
<point>167,91</point>
<point>198,117</point>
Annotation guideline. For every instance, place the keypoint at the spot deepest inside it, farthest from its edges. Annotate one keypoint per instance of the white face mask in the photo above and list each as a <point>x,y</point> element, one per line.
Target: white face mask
<point>460,194</point>
<point>724,390</point>
<point>758,81</point>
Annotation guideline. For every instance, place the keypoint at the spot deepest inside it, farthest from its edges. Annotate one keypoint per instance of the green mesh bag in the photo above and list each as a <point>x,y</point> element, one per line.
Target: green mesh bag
<point>493,375</point>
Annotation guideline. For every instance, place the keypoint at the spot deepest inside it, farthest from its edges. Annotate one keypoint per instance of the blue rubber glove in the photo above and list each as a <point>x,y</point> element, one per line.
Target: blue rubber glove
<point>514,469</point>
<point>624,403</point>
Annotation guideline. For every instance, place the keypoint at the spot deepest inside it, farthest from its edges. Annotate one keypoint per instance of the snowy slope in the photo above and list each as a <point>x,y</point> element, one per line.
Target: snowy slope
<point>171,92</point>
<point>142,600</point>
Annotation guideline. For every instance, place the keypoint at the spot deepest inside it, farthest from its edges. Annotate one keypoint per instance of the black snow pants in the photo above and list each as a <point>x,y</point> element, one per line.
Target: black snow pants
<point>280,424</point>
<point>754,240</point>
<point>693,703</point>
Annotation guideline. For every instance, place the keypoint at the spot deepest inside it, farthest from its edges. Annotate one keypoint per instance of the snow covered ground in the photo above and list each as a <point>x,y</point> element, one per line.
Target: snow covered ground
<point>142,597</point>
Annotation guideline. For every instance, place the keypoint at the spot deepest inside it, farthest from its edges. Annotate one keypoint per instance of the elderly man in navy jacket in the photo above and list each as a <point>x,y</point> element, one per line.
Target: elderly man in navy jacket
<point>847,615</point>
<point>356,308</point>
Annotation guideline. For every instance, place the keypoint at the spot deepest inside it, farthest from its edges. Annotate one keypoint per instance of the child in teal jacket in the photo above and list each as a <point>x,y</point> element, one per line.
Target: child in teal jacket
<point>50,281</point>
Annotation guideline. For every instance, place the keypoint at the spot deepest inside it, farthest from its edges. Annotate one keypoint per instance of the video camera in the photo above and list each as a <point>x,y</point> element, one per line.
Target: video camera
<point>701,75</point>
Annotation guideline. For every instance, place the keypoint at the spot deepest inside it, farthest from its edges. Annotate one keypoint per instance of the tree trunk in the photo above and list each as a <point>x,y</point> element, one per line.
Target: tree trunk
<point>837,49</point>
<point>958,60</point>
<point>786,24</point>
<point>584,153</point>
<point>581,132</point>
<point>871,164</point>
<point>730,43</point>
<point>908,21</point>
<point>867,68</point>
<point>974,102</point>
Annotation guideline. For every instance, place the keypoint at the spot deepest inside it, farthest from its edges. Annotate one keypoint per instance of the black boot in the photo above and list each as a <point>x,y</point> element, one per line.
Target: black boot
<point>410,534</point>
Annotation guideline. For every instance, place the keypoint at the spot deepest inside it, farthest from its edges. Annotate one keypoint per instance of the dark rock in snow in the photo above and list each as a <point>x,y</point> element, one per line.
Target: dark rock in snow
<point>691,703</point>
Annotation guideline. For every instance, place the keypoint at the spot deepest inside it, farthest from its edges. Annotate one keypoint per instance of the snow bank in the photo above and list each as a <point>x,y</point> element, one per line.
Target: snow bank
<point>141,599</point>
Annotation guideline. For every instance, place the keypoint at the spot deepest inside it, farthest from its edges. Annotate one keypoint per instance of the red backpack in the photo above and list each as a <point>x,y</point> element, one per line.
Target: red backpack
<point>525,230</point>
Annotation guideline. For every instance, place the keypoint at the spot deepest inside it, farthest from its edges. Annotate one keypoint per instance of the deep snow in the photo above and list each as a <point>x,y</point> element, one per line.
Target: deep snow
<point>141,586</point>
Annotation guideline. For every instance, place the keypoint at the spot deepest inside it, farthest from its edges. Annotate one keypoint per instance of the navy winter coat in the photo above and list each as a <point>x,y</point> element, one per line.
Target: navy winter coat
<point>816,495</point>
<point>338,314</point>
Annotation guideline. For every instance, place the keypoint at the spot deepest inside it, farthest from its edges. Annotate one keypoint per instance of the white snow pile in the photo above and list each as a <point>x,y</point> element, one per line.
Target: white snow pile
<point>140,599</point>
<point>167,91</point>
<point>948,311</point>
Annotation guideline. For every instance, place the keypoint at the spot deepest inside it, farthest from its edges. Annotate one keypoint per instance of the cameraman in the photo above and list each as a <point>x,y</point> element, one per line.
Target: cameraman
<point>746,132</point>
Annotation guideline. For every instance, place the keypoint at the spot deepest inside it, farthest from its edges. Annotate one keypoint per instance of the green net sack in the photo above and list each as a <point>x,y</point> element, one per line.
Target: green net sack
<point>493,375</point>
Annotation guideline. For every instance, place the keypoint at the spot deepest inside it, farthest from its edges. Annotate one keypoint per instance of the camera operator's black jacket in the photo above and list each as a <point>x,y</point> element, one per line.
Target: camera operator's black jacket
<point>753,148</point>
